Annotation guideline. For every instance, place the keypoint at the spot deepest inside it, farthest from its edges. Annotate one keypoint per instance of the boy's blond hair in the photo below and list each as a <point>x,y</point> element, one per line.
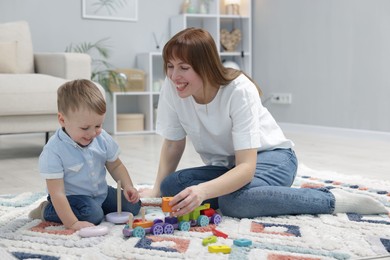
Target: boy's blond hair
<point>80,93</point>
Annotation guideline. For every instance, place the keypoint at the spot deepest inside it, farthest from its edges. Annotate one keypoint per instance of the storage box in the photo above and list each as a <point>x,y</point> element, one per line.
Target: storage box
<point>130,122</point>
<point>135,80</point>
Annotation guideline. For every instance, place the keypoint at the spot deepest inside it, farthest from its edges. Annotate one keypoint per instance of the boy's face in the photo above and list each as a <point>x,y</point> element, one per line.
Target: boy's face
<point>82,125</point>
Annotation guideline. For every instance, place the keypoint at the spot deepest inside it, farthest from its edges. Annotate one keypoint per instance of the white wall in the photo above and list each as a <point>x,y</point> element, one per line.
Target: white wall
<point>332,55</point>
<point>54,24</point>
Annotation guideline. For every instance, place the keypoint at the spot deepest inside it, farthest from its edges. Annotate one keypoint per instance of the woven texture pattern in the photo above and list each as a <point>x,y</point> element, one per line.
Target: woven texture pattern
<point>341,236</point>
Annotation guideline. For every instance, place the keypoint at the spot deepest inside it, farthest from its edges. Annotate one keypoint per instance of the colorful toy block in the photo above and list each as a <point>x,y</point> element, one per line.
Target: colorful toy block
<point>220,249</point>
<point>242,242</point>
<point>209,240</point>
<point>165,204</point>
<point>167,224</point>
<point>218,233</point>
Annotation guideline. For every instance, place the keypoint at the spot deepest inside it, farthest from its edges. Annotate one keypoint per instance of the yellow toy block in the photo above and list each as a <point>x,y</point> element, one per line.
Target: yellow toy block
<point>220,249</point>
<point>209,240</point>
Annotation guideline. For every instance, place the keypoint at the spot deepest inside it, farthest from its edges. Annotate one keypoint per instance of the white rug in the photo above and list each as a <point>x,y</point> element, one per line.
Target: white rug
<point>341,236</point>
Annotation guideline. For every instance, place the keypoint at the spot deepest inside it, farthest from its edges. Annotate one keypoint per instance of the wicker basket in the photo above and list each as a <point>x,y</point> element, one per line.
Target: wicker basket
<point>130,122</point>
<point>135,80</point>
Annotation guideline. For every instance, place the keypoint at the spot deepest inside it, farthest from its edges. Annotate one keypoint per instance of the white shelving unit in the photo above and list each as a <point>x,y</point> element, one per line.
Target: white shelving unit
<point>213,21</point>
<point>217,19</point>
<point>142,102</point>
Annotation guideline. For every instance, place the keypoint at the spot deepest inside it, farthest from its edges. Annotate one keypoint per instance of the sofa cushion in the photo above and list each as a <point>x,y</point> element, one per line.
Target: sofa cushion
<point>28,94</point>
<point>19,32</point>
<point>8,62</point>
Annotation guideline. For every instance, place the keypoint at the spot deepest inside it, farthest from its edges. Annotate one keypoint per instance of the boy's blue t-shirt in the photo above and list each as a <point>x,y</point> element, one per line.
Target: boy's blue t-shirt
<point>82,168</point>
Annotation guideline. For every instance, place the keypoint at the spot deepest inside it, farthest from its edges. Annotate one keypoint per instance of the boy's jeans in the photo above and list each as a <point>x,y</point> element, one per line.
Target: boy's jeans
<point>87,209</point>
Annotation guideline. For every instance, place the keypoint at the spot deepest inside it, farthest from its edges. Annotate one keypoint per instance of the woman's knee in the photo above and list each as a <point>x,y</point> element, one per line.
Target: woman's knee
<point>179,180</point>
<point>275,168</point>
<point>229,207</point>
<point>168,186</point>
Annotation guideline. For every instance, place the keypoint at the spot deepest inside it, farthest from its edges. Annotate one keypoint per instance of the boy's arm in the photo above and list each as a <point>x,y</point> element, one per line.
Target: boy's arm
<point>118,171</point>
<point>60,202</point>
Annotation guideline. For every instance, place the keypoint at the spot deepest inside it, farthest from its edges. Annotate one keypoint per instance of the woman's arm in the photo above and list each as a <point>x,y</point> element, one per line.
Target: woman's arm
<point>192,197</point>
<point>171,152</point>
<point>61,204</point>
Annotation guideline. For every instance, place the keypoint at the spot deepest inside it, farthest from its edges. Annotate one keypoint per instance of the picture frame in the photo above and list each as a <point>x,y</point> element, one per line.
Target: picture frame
<point>116,10</point>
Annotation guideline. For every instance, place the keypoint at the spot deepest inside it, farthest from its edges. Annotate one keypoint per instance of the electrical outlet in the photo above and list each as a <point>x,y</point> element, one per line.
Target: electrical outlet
<point>281,98</point>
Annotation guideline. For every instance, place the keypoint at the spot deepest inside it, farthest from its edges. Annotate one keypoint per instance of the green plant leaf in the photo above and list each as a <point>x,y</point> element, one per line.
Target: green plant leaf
<point>102,71</point>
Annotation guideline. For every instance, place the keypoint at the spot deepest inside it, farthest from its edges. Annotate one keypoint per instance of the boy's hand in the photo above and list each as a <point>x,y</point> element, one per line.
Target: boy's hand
<point>81,224</point>
<point>131,194</point>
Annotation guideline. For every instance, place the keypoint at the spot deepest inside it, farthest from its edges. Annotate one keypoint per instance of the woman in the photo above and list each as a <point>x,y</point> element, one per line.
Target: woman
<point>249,163</point>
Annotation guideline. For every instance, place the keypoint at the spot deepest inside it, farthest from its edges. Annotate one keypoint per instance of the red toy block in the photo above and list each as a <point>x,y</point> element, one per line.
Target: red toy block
<point>218,233</point>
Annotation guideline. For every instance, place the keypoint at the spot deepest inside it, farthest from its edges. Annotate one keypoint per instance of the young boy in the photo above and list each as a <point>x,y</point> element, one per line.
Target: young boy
<point>75,159</point>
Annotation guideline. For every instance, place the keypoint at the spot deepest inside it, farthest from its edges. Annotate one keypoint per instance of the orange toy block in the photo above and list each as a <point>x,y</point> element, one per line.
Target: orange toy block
<point>144,224</point>
<point>165,204</point>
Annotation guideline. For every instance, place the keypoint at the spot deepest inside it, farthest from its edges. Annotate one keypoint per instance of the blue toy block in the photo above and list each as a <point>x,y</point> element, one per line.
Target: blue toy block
<point>242,242</point>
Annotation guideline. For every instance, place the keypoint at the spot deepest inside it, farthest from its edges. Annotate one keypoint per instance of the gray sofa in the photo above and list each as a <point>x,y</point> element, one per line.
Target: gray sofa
<point>29,81</point>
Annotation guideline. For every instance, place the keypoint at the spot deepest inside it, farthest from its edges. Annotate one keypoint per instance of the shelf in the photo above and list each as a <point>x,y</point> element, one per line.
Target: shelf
<point>216,20</point>
<point>145,102</point>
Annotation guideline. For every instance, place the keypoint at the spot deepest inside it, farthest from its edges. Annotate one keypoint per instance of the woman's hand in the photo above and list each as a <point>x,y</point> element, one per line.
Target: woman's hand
<point>131,194</point>
<point>187,200</point>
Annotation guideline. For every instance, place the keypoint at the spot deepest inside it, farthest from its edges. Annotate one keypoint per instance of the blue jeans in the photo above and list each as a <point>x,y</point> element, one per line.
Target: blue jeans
<point>268,194</point>
<point>87,209</point>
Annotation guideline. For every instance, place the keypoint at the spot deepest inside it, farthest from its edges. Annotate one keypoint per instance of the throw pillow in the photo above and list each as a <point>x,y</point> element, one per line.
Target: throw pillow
<point>8,62</point>
<point>20,32</point>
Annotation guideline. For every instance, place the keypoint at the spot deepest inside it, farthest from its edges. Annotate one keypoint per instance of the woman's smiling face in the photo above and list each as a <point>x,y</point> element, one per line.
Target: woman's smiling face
<point>186,80</point>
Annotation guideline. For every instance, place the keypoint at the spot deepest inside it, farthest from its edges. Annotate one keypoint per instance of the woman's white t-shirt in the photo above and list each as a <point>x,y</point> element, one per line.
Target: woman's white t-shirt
<point>234,120</point>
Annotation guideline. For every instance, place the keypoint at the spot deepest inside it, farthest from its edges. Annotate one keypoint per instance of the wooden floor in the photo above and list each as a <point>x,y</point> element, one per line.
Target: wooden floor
<point>345,151</point>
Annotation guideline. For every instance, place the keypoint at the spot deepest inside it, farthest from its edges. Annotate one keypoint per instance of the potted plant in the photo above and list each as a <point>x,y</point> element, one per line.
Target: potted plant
<point>102,71</point>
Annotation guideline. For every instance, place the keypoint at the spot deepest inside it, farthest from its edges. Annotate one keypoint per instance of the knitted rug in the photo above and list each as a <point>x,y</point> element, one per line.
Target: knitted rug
<point>341,236</point>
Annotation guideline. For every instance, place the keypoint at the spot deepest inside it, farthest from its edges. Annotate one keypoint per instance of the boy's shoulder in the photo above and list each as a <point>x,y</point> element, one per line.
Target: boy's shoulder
<point>54,139</point>
<point>105,137</point>
<point>55,144</point>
